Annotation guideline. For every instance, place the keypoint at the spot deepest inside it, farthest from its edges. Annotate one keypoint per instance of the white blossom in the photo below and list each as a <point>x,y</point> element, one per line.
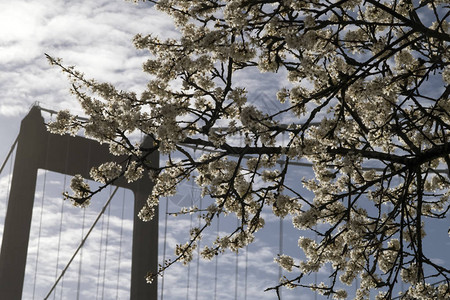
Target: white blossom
<point>133,172</point>
<point>285,261</point>
<point>106,172</point>
<point>360,94</point>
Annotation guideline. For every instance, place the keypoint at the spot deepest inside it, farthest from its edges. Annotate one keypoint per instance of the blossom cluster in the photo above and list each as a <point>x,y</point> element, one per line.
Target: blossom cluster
<point>364,87</point>
<point>80,190</point>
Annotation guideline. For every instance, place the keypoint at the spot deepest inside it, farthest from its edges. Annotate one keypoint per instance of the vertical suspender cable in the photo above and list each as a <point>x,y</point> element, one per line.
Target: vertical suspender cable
<point>59,239</point>
<point>80,264</point>
<point>40,219</point>
<point>236,272</point>
<point>349,201</point>
<point>190,227</point>
<point>198,245</point>
<point>61,222</point>
<point>189,265</point>
<point>198,258</point>
<point>315,273</point>
<point>120,244</point>
<point>106,251</point>
<point>246,273</point>
<point>39,233</point>
<point>165,244</point>
<point>280,247</point>
<point>280,241</point>
<point>99,267</point>
<point>216,267</point>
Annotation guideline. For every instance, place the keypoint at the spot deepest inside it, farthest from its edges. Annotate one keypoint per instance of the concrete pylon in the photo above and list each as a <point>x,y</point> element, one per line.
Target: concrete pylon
<point>39,149</point>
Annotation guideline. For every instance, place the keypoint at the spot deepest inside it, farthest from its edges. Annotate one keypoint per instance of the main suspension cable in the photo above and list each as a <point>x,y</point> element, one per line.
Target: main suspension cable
<point>10,175</point>
<point>82,243</point>
<point>9,153</point>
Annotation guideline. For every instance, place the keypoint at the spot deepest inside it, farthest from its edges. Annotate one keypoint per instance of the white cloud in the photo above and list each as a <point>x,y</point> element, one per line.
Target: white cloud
<point>94,35</point>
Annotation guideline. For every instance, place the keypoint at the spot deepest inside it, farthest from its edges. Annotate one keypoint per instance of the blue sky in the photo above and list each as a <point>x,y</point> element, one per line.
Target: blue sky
<point>96,37</point>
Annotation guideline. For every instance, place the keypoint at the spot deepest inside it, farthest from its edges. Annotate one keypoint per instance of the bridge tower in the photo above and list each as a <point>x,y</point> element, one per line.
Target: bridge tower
<point>35,144</point>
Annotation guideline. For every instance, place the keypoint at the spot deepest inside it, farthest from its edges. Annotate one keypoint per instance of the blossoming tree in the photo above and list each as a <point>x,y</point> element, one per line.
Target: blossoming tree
<point>366,102</point>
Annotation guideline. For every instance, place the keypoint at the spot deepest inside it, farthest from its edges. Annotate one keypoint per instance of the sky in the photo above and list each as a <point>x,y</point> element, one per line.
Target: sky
<point>96,37</point>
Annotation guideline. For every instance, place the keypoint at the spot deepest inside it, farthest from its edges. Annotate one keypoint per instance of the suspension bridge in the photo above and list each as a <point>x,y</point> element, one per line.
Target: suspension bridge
<point>52,250</point>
